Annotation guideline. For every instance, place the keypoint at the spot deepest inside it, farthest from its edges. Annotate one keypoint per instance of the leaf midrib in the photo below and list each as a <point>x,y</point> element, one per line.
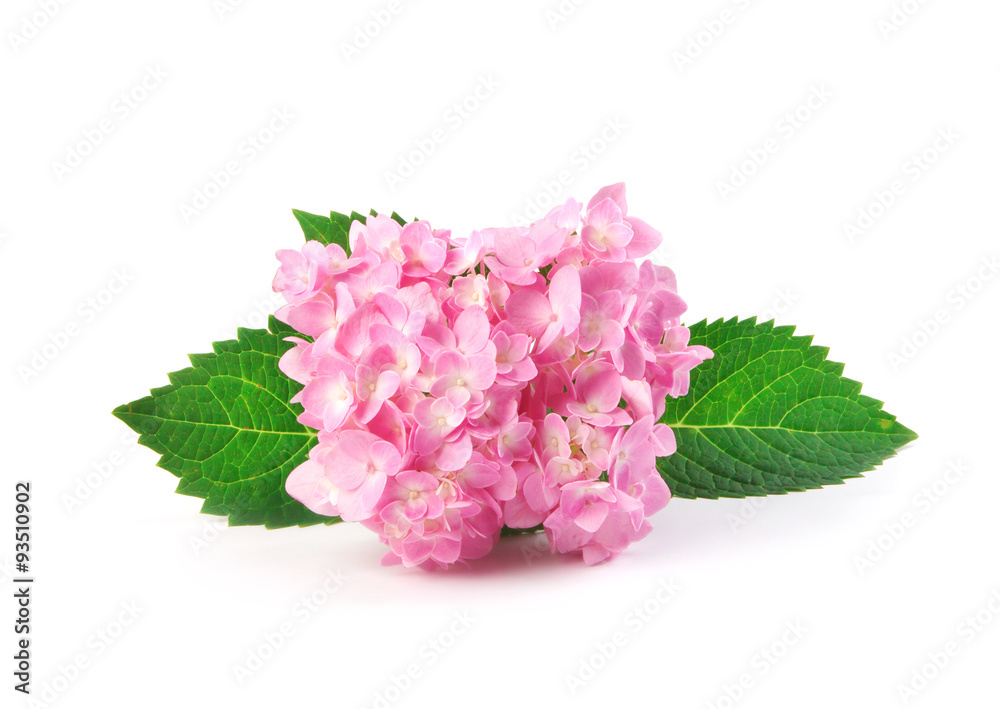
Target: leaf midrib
<point>776,428</point>
<point>308,434</point>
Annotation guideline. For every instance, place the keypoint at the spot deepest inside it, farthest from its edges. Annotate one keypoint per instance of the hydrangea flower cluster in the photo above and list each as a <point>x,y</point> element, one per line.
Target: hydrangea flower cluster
<point>513,378</point>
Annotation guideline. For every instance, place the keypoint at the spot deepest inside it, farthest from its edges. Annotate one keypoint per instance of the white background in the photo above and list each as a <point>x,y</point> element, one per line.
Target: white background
<point>208,597</point>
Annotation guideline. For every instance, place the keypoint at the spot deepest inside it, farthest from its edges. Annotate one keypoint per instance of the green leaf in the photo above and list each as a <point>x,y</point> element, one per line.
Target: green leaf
<point>395,217</point>
<point>770,415</point>
<point>225,427</point>
<point>336,228</point>
<point>341,227</point>
<point>315,227</point>
<point>333,229</point>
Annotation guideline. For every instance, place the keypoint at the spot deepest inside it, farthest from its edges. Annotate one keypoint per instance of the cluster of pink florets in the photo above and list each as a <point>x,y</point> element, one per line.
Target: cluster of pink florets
<point>513,377</point>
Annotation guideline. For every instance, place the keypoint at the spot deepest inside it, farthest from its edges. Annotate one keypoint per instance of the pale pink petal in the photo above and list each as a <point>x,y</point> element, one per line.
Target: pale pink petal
<point>645,239</point>
<point>472,330</point>
<point>615,192</point>
<point>592,517</point>
<point>529,312</point>
<point>309,485</point>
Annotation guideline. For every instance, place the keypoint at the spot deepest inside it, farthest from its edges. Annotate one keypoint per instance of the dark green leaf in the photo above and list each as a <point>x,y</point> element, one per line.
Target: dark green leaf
<point>315,227</point>
<point>334,229</point>
<point>769,415</point>
<point>225,428</point>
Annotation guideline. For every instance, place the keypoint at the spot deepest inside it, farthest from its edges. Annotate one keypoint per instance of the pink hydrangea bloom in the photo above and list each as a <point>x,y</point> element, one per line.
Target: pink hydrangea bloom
<point>513,377</point>
<point>303,273</point>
